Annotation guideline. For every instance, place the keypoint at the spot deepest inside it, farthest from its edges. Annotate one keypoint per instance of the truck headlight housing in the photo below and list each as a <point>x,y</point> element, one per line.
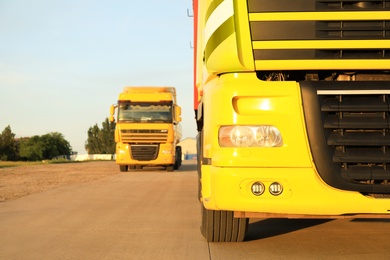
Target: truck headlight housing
<point>250,136</point>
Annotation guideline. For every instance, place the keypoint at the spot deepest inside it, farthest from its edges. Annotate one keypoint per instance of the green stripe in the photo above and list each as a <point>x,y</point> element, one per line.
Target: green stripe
<point>221,34</point>
<point>212,8</point>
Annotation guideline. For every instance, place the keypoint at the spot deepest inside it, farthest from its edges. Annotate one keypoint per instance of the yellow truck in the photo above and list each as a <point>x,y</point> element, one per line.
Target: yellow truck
<point>148,128</point>
<point>292,103</point>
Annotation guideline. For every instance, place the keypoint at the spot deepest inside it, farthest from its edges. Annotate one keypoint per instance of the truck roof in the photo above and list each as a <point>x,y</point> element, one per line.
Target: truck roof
<point>147,89</point>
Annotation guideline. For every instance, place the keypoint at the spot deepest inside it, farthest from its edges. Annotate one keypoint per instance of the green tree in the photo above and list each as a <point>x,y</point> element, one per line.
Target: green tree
<point>45,147</point>
<point>107,137</point>
<point>54,144</point>
<point>101,140</point>
<point>8,145</point>
<point>31,149</point>
<point>92,144</point>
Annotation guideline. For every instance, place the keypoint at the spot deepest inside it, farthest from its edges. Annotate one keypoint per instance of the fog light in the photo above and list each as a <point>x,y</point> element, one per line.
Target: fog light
<point>276,188</point>
<point>258,188</point>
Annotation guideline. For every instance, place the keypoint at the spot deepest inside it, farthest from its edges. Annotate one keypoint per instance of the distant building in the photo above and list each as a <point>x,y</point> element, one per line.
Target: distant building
<point>188,148</point>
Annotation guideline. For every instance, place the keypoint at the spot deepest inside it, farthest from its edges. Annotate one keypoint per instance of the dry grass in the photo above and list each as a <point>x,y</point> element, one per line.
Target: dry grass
<point>4,164</point>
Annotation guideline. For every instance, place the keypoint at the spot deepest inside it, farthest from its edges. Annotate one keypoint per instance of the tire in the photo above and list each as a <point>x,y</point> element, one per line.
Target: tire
<point>221,226</point>
<point>218,226</point>
<point>177,158</point>
<point>123,168</point>
<point>170,168</point>
<point>199,163</point>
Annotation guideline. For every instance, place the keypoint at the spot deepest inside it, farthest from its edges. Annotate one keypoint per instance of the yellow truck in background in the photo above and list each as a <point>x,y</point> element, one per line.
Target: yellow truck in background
<point>292,104</point>
<point>148,128</point>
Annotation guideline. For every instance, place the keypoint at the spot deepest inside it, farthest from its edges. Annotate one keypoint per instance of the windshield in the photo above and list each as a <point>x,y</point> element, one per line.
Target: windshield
<point>141,112</point>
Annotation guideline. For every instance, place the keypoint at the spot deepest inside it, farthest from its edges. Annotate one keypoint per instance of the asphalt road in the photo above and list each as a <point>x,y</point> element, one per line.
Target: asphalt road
<point>155,215</point>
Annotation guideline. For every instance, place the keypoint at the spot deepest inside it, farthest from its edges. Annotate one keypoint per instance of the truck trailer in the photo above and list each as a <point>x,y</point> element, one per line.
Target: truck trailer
<point>292,103</point>
<point>148,128</point>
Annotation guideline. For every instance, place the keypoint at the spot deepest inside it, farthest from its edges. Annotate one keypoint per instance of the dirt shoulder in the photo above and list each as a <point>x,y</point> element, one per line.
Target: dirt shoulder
<point>16,182</point>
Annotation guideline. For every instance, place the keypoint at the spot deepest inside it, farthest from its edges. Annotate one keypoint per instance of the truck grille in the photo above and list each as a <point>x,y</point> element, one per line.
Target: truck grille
<point>144,152</point>
<point>352,5</point>
<point>258,6</point>
<point>349,133</point>
<point>144,136</point>
<point>319,28</point>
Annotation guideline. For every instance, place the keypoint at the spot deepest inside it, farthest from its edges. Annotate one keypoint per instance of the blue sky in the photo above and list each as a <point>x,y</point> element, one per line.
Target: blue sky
<point>64,62</point>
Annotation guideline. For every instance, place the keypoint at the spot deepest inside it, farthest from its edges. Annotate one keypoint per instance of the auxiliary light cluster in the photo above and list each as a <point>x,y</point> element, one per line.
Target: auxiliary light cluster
<point>258,188</point>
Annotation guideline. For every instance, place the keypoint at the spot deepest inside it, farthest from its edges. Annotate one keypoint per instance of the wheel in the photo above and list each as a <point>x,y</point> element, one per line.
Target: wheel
<point>180,155</point>
<point>221,226</point>
<point>123,168</point>
<point>177,158</point>
<point>170,168</point>
<point>199,162</point>
<point>218,226</point>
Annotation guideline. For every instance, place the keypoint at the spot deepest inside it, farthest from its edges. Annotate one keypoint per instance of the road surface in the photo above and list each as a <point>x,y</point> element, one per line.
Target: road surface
<point>155,215</point>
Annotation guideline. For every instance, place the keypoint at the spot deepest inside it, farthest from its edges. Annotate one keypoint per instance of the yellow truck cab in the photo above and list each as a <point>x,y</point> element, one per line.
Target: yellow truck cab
<point>147,129</point>
<point>292,104</point>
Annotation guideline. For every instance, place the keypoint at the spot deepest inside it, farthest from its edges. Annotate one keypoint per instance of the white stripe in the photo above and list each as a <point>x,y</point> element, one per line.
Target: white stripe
<point>223,12</point>
<point>354,92</point>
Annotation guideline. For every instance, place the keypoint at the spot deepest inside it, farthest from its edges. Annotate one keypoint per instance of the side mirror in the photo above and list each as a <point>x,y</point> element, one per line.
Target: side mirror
<point>112,112</point>
<point>178,114</point>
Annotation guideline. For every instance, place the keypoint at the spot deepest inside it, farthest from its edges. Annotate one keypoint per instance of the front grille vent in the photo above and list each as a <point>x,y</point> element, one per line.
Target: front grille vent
<point>352,30</point>
<point>144,152</point>
<point>358,134</point>
<point>352,5</point>
<point>380,196</point>
<point>348,126</point>
<point>144,135</point>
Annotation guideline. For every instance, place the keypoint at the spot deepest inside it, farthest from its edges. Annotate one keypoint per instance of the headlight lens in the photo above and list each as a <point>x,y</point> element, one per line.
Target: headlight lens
<point>268,136</point>
<point>250,136</point>
<point>241,136</point>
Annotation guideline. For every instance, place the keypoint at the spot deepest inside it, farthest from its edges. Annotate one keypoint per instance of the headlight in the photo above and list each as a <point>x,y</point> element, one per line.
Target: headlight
<point>250,136</point>
<point>122,149</point>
